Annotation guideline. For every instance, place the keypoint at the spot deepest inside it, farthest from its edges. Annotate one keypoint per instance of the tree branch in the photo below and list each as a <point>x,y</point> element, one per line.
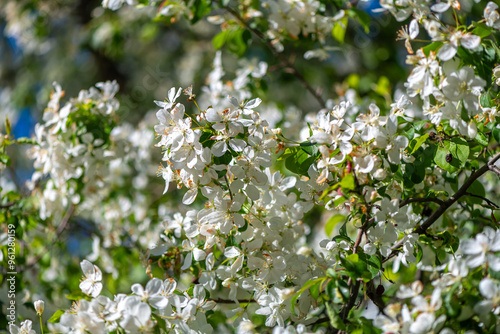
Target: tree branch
<point>280,56</point>
<point>344,313</point>
<point>494,169</point>
<point>483,198</point>
<point>443,207</point>
<point>58,232</point>
<point>230,301</point>
<point>420,200</point>
<point>319,321</point>
<point>7,205</point>
<point>474,176</point>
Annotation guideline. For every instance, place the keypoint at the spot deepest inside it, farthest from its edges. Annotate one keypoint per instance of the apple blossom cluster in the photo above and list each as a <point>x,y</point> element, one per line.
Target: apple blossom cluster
<point>82,159</point>
<point>285,20</point>
<point>402,10</point>
<point>444,87</point>
<point>225,156</point>
<point>159,303</point>
<point>73,144</point>
<point>450,308</point>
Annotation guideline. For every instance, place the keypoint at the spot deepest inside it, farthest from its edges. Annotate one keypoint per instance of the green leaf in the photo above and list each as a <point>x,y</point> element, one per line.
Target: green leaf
<point>485,100</point>
<point>76,296</point>
<point>25,140</point>
<point>431,47</point>
<point>347,182</point>
<point>416,171</point>
<point>339,201</point>
<point>476,188</point>
<point>343,236</point>
<point>335,319</point>
<point>300,162</point>
<point>339,30</point>
<point>309,148</point>
<point>452,307</point>
<point>483,59</point>
<point>8,127</point>
<point>199,9</point>
<point>428,155</point>
<point>315,289</point>
<point>331,288</point>
<point>344,289</point>
<point>244,227</point>
<point>410,133</point>
<point>56,316</point>
<point>420,124</point>
<point>238,41</point>
<point>162,324</point>
<point>289,151</point>
<point>343,230</point>
<point>481,30</point>
<point>224,159</point>
<point>459,150</point>
<point>367,327</point>
<point>374,265</point>
<point>220,39</point>
<point>353,81</point>
<point>354,265</point>
<point>332,222</point>
<point>383,86</point>
<point>481,139</point>
<point>417,142</point>
<point>5,159</point>
<point>496,134</point>
<point>330,272</point>
<point>304,288</point>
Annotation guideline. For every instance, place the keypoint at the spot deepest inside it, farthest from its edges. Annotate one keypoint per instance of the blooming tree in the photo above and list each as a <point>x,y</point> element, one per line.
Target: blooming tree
<point>372,208</point>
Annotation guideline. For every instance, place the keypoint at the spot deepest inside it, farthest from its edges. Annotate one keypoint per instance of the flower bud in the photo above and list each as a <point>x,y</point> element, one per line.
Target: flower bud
<point>306,251</point>
<point>39,306</point>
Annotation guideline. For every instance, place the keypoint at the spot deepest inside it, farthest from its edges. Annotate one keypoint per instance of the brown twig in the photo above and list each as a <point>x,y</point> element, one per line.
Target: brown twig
<point>449,202</point>
<point>320,321</point>
<point>7,205</point>
<point>474,176</point>
<point>228,187</point>
<point>483,198</point>
<point>351,301</point>
<point>344,313</point>
<point>280,56</point>
<point>420,200</point>
<point>494,169</point>
<point>230,301</point>
<point>58,232</point>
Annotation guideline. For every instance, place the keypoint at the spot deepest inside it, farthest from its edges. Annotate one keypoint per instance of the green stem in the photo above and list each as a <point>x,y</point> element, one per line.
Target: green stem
<point>41,324</point>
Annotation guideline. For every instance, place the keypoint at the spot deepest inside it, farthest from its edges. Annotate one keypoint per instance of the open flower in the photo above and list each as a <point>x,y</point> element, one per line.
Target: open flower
<point>491,292</point>
<point>91,285</point>
<point>458,38</point>
<point>24,329</point>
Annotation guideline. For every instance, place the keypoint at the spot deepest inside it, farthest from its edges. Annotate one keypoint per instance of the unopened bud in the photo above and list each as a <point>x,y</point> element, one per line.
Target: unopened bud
<point>286,293</point>
<point>306,251</point>
<point>276,131</point>
<point>39,307</point>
